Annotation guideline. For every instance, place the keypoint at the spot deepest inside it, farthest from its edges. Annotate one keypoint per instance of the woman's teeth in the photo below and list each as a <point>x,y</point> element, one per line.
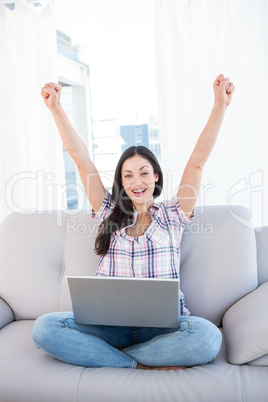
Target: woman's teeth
<point>138,192</point>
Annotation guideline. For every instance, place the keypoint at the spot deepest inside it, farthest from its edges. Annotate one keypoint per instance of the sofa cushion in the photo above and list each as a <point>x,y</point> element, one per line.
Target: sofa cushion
<point>29,375</point>
<point>78,255</point>
<point>262,253</point>
<point>261,361</point>
<point>6,314</point>
<point>37,251</point>
<point>246,327</point>
<point>255,384</point>
<point>31,262</point>
<point>218,260</point>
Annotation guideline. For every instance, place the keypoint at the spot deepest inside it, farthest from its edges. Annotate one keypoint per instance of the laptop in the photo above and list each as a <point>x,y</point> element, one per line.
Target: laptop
<point>125,301</point>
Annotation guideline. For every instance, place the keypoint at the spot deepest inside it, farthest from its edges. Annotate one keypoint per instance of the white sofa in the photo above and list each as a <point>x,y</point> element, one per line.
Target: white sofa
<point>224,276</point>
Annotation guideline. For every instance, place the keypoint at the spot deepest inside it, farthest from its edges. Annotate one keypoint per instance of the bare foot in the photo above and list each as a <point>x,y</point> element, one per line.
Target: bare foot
<point>141,367</point>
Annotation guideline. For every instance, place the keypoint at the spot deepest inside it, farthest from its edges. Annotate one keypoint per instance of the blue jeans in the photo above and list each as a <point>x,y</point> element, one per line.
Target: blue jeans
<point>196,341</point>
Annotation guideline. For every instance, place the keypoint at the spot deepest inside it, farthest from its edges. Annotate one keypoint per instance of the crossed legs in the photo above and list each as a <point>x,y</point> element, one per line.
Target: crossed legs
<point>196,341</point>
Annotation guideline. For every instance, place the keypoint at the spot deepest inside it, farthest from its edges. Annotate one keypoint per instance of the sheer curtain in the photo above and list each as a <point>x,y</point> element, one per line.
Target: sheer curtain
<point>32,167</point>
<point>195,41</point>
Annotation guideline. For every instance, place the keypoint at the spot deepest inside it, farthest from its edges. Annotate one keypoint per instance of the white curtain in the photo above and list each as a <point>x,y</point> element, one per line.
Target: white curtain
<point>31,167</point>
<point>195,41</point>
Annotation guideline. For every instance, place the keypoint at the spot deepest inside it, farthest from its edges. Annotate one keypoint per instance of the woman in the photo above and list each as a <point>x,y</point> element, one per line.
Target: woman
<point>137,237</point>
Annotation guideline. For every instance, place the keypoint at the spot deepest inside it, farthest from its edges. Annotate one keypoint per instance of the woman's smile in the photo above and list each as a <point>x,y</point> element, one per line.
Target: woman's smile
<point>139,192</point>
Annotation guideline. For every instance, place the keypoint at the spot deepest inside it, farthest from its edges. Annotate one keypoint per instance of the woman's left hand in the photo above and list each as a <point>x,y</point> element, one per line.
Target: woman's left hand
<point>223,90</point>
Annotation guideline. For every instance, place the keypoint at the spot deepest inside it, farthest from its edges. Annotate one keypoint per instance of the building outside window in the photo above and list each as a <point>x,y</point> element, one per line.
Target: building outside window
<point>105,138</point>
<point>74,76</point>
<point>107,147</point>
<point>146,134</point>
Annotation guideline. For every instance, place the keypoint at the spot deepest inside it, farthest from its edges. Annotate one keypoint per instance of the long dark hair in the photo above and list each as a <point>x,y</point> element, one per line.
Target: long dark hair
<point>123,211</point>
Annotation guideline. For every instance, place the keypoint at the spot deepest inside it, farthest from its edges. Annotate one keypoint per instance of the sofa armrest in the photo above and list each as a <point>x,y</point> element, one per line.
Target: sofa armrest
<point>6,314</point>
<point>262,253</point>
<point>245,327</point>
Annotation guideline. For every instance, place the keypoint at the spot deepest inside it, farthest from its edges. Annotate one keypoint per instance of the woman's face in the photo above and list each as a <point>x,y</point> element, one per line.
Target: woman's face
<point>138,180</point>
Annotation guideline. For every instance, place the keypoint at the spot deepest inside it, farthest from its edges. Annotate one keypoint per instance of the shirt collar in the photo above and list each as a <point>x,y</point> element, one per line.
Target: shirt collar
<point>154,208</point>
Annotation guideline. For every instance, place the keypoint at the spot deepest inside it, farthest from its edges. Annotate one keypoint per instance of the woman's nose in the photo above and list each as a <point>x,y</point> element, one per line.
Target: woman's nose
<point>136,180</point>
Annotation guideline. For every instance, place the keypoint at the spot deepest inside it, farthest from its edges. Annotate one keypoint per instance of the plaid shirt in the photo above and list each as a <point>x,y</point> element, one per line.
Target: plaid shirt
<point>154,254</point>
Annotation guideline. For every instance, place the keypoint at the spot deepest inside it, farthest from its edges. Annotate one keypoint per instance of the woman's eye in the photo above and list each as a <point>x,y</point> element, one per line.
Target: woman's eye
<point>144,173</point>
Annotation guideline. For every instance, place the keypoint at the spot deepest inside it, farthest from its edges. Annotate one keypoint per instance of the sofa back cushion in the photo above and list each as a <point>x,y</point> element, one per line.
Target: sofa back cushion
<point>37,251</point>
<point>218,260</point>
<point>262,253</point>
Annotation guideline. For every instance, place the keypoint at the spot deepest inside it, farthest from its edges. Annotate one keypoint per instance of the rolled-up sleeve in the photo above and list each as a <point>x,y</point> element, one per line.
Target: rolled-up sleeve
<point>105,209</point>
<point>175,211</point>
<point>183,218</point>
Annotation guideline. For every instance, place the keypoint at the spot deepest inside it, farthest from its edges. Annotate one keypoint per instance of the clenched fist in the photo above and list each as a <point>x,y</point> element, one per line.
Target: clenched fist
<point>223,90</point>
<point>51,94</point>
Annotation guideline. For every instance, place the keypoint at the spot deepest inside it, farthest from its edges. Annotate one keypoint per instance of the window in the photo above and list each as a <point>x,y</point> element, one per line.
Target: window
<point>118,47</point>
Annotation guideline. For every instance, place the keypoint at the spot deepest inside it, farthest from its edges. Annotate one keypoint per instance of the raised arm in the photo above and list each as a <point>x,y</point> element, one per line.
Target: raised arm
<point>91,180</point>
<point>190,183</point>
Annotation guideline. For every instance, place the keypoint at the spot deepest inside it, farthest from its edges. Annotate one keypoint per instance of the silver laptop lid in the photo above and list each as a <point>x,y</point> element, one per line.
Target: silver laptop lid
<point>124,301</point>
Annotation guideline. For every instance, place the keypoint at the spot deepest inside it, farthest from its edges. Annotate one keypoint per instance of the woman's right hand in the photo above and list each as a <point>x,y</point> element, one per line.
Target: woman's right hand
<point>51,93</point>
